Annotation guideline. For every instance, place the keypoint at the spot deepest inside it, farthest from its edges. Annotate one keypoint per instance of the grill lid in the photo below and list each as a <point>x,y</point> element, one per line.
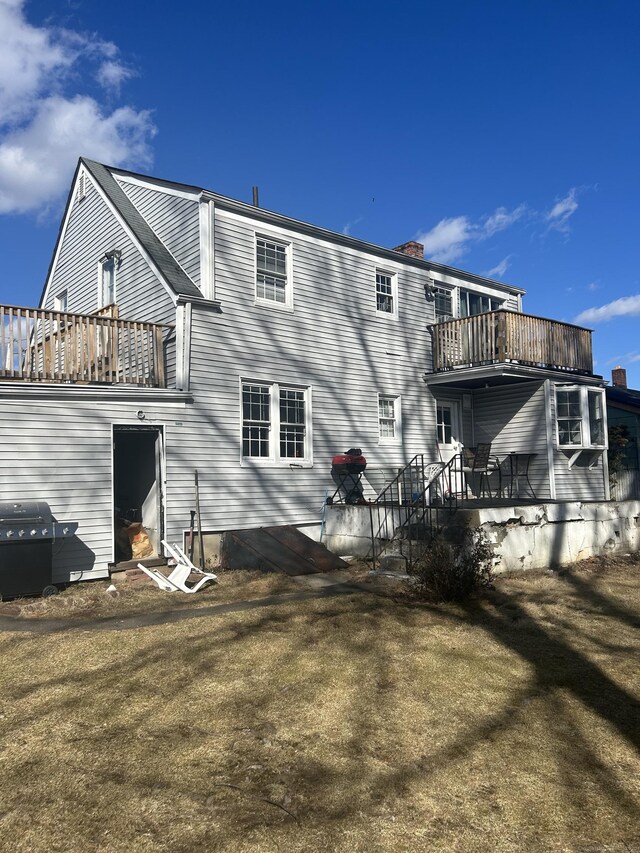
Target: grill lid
<point>14,512</point>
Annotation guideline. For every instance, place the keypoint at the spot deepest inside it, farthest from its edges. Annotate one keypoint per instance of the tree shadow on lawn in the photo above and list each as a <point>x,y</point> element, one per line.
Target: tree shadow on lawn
<point>342,710</point>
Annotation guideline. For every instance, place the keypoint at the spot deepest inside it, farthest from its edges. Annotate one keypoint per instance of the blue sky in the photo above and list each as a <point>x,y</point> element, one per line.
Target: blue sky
<point>503,135</point>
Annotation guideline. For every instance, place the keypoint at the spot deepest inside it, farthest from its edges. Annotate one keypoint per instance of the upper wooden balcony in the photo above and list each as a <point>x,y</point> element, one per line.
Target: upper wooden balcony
<point>507,337</point>
<point>55,346</point>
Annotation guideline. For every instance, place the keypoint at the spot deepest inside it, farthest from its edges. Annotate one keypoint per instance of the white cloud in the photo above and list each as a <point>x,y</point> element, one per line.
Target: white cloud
<point>627,358</point>
<point>347,228</point>
<point>501,219</point>
<point>626,306</point>
<point>46,123</point>
<point>35,162</point>
<point>447,240</point>
<point>562,210</point>
<point>500,269</point>
<point>112,75</point>
<point>594,285</point>
<point>450,238</point>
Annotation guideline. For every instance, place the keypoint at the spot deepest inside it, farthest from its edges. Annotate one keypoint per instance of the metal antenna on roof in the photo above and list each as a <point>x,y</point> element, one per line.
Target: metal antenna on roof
<point>256,203</point>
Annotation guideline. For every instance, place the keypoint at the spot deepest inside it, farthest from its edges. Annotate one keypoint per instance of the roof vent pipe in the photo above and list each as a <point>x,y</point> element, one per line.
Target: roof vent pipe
<point>256,203</point>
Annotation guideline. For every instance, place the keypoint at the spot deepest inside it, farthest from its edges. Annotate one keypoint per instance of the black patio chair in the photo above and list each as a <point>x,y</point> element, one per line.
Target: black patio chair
<point>480,462</point>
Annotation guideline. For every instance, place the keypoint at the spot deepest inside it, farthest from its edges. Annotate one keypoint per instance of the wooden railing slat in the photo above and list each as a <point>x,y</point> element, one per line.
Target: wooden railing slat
<point>53,346</point>
<point>500,336</point>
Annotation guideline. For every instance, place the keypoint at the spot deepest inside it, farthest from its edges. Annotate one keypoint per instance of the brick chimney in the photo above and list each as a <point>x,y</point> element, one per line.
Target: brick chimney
<point>619,377</point>
<point>413,249</point>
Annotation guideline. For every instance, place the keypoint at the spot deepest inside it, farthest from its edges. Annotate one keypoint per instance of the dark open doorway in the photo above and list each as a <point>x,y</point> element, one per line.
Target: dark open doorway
<point>137,486</point>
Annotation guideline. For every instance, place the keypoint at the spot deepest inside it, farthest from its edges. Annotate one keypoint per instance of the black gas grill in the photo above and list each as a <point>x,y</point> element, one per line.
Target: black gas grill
<point>27,533</point>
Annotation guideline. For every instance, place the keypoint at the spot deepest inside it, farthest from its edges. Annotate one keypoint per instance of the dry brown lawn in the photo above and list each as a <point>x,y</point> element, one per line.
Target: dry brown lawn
<point>354,722</point>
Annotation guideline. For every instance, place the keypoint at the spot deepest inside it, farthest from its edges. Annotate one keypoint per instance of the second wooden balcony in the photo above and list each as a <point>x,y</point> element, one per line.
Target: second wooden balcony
<point>507,337</point>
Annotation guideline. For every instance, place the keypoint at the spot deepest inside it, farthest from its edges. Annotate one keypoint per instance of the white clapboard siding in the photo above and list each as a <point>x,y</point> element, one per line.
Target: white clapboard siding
<point>93,230</point>
<point>512,418</point>
<point>175,220</point>
<point>332,342</point>
<point>58,448</point>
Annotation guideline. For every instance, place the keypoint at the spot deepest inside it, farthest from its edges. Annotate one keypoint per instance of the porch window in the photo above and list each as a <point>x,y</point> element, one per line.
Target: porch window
<point>389,419</point>
<point>580,418</point>
<point>477,303</point>
<point>275,421</point>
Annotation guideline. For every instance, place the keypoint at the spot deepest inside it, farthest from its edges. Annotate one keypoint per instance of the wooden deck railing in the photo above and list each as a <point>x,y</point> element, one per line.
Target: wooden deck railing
<point>506,336</point>
<point>55,346</point>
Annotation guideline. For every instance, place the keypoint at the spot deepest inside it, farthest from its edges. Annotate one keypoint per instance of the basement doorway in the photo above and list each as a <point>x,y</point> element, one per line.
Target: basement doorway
<point>138,464</point>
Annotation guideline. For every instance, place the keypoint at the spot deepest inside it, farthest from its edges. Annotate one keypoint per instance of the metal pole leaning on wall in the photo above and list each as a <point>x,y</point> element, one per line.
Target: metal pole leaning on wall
<point>200,539</point>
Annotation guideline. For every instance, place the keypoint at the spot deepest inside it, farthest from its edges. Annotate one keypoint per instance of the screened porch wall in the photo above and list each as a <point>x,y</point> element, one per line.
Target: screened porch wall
<point>584,478</point>
<point>512,417</point>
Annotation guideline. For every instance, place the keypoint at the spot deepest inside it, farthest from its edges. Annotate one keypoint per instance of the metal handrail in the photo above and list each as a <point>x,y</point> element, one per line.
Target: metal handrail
<point>419,513</point>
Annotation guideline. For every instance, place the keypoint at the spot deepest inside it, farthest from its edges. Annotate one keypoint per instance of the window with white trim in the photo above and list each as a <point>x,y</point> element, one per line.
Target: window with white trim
<point>273,279</point>
<point>275,423</point>
<point>61,301</point>
<point>444,424</point>
<point>443,303</point>
<point>107,267</point>
<point>389,422</point>
<point>386,293</point>
<point>580,418</point>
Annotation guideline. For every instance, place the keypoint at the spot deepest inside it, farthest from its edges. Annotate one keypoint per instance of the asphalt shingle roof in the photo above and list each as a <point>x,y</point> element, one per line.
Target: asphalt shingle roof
<point>173,273</point>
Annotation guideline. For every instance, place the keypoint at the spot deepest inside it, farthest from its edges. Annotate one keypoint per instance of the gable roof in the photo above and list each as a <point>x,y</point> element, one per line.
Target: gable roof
<point>280,219</point>
<point>166,264</point>
<point>174,276</point>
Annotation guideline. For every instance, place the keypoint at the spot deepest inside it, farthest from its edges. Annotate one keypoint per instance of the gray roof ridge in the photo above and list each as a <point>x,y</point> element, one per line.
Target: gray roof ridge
<point>173,273</point>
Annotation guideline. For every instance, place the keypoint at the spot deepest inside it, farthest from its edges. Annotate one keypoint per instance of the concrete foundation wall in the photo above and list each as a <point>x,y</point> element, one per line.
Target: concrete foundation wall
<point>538,536</point>
<point>553,535</point>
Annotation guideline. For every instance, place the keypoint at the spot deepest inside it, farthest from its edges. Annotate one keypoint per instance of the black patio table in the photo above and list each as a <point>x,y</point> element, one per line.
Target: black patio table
<point>519,469</point>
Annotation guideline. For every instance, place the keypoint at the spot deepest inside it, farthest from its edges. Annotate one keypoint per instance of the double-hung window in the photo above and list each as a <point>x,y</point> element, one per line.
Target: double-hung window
<point>273,274</point>
<point>580,418</point>
<point>386,293</point>
<point>389,422</point>
<point>275,423</point>
<point>443,303</point>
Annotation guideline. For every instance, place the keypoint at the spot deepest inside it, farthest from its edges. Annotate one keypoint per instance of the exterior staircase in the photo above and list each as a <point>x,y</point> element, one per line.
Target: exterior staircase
<point>416,506</point>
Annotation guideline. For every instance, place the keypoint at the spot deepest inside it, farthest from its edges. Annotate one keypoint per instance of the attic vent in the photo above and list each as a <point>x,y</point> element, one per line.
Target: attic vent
<point>81,187</point>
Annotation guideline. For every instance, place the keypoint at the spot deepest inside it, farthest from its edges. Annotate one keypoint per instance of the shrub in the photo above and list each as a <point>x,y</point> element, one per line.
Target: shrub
<point>452,571</point>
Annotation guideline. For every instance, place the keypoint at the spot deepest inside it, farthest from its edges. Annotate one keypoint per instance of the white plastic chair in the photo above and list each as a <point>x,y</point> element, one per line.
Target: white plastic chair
<point>184,567</point>
<point>161,580</point>
<point>176,581</point>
